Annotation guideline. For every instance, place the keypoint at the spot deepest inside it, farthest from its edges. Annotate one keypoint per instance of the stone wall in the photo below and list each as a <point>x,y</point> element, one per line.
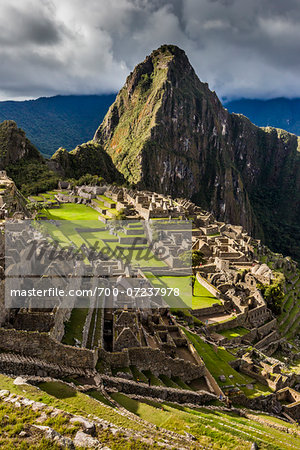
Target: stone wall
<point>290,395</point>
<point>209,311</point>
<point>267,403</point>
<point>145,358</point>
<point>114,360</point>
<point>62,315</point>
<point>32,321</point>
<point>13,364</point>
<point>258,316</point>
<point>157,361</point>
<point>252,374</point>
<point>160,392</point>
<point>41,345</point>
<point>265,329</point>
<point>251,336</point>
<point>293,410</point>
<point>270,338</point>
<point>211,383</point>
<point>65,198</point>
<point>222,326</point>
<point>215,292</point>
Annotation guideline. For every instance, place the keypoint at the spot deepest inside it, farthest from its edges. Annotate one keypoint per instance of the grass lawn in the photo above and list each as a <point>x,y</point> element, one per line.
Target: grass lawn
<point>217,363</point>
<point>62,396</point>
<point>74,327</point>
<point>37,198</point>
<point>48,195</point>
<point>278,421</point>
<point>202,298</point>
<point>234,332</point>
<point>16,420</point>
<point>139,257</point>
<point>168,382</point>
<point>72,211</point>
<point>213,429</point>
<point>103,198</point>
<point>181,383</point>
<point>68,232</point>
<point>183,283</point>
<point>137,375</point>
<point>74,400</point>
<point>94,335</point>
<point>153,379</point>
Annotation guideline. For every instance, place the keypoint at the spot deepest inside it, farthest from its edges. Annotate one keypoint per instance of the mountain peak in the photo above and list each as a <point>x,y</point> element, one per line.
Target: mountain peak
<point>167,132</point>
<point>162,91</point>
<point>170,52</point>
<point>163,62</point>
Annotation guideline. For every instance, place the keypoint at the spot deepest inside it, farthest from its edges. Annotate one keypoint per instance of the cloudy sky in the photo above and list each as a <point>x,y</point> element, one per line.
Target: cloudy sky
<point>242,48</point>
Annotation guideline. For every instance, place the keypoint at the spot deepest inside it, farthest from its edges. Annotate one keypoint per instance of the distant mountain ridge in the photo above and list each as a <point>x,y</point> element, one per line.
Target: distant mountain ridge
<point>68,121</point>
<point>278,112</point>
<point>61,121</point>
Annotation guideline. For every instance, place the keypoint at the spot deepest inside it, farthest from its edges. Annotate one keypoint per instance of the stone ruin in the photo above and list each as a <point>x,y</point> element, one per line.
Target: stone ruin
<point>31,339</point>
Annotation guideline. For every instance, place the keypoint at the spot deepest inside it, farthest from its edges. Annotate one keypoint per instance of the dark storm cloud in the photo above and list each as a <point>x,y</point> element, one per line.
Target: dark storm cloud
<point>244,48</point>
<point>28,25</point>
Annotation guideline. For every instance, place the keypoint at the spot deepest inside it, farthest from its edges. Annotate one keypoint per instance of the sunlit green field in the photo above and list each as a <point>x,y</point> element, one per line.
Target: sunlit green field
<point>72,211</point>
<point>68,230</point>
<point>202,298</point>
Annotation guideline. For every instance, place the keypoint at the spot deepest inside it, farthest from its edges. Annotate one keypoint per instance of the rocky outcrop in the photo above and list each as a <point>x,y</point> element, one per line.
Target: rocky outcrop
<point>168,132</point>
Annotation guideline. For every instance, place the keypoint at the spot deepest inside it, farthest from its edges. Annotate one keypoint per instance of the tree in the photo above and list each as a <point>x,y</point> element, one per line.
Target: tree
<point>197,258</point>
<point>274,293</point>
<point>34,207</point>
<point>120,215</point>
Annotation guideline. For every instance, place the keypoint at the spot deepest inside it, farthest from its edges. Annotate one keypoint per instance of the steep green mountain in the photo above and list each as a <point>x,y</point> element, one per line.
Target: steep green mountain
<point>22,161</point>
<point>58,121</point>
<point>14,145</point>
<point>277,112</point>
<point>86,158</point>
<point>32,173</point>
<point>166,131</point>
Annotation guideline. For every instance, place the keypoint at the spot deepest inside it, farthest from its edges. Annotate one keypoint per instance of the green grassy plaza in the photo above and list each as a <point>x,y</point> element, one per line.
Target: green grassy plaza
<point>234,332</point>
<point>67,232</point>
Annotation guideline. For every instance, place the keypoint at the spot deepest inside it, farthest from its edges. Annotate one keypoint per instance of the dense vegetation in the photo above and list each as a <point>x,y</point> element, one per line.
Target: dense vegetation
<point>89,158</point>
<point>32,176</point>
<point>274,293</point>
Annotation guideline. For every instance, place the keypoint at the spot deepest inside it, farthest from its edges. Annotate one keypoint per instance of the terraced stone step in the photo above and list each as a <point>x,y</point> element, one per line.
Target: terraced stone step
<point>19,364</point>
